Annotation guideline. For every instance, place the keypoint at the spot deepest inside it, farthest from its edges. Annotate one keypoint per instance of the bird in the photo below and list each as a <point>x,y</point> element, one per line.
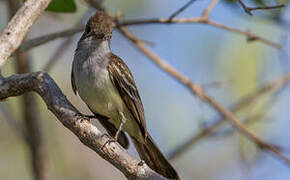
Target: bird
<point>105,83</point>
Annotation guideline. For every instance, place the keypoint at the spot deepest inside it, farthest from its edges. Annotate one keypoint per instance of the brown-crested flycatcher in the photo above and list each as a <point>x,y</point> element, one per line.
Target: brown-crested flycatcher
<point>106,85</point>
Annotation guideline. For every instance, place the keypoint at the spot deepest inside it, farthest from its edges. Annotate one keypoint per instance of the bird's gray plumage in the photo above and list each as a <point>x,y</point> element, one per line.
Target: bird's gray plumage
<point>106,85</point>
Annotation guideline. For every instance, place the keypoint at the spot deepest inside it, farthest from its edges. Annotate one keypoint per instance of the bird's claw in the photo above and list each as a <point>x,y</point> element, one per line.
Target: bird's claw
<point>109,140</point>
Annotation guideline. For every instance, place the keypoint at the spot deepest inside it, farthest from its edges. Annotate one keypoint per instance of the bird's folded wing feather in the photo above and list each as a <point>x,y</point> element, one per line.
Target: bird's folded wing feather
<point>72,80</point>
<point>124,82</point>
<point>122,139</point>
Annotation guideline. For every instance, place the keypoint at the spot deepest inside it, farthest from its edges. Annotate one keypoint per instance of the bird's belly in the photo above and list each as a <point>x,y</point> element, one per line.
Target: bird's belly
<point>103,98</point>
<point>100,94</point>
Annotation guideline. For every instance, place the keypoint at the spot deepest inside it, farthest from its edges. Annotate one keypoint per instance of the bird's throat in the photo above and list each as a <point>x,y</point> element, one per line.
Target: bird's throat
<point>95,50</point>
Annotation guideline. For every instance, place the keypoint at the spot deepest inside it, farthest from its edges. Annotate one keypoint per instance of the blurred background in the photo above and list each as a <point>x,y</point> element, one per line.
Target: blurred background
<point>224,63</point>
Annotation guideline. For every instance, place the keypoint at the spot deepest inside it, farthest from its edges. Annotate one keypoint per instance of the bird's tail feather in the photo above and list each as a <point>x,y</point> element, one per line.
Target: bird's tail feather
<point>153,157</point>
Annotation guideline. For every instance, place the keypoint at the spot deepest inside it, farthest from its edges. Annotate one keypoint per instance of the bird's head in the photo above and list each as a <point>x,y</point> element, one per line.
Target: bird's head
<point>100,26</point>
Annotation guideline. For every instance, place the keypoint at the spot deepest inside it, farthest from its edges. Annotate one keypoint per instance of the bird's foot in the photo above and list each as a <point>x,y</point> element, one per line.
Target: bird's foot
<point>141,162</point>
<point>89,117</point>
<point>110,140</point>
<point>115,139</point>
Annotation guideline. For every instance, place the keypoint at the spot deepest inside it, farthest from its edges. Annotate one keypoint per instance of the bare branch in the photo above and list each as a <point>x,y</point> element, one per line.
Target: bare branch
<point>249,10</point>
<point>13,34</point>
<point>181,9</point>
<point>46,38</point>
<point>70,117</point>
<point>200,93</point>
<point>209,8</point>
<point>27,45</point>
<point>62,47</point>
<point>203,20</point>
<point>216,84</point>
<point>237,107</point>
<point>57,54</point>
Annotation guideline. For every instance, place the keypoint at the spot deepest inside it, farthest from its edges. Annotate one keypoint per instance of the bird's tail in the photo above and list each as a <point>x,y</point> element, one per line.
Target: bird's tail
<point>153,157</point>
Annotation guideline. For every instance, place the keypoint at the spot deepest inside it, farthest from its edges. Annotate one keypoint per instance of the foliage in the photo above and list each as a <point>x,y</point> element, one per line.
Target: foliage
<point>62,6</point>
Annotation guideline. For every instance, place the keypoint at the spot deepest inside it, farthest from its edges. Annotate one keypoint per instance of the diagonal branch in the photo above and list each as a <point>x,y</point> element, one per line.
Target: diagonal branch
<point>235,108</point>
<point>13,34</point>
<point>200,93</point>
<point>181,9</point>
<point>70,117</point>
<point>62,47</point>
<point>25,46</point>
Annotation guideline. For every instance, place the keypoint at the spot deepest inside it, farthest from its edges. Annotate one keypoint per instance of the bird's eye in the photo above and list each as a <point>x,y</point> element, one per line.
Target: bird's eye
<point>100,35</point>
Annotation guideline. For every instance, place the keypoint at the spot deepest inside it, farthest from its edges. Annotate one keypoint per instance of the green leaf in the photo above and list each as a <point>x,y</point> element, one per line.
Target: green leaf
<point>62,6</point>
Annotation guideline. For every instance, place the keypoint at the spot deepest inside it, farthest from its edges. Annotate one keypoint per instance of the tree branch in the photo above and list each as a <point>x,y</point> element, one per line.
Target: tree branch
<point>181,9</point>
<point>237,107</point>
<point>249,10</point>
<point>200,93</point>
<point>62,47</point>
<point>13,34</point>
<point>26,45</point>
<point>204,19</point>
<point>70,117</point>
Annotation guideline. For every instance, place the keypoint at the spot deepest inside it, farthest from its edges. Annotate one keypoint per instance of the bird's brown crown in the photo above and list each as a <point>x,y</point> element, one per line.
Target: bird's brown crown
<point>101,22</point>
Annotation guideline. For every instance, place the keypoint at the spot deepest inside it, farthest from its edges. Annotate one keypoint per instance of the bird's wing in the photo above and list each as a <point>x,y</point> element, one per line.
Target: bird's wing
<point>122,139</point>
<point>123,80</point>
<point>72,80</point>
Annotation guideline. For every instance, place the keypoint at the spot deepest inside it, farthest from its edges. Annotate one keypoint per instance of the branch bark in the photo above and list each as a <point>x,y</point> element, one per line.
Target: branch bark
<point>13,34</point>
<point>70,117</point>
<point>235,108</point>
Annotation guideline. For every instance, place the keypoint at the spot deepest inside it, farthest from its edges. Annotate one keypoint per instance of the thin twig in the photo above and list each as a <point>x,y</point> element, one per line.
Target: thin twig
<point>199,20</point>
<point>215,84</point>
<point>13,34</point>
<point>200,93</point>
<point>57,54</point>
<point>46,38</point>
<point>202,20</point>
<point>181,9</point>
<point>62,47</point>
<point>238,106</point>
<point>249,10</point>
<point>266,7</point>
<point>209,8</point>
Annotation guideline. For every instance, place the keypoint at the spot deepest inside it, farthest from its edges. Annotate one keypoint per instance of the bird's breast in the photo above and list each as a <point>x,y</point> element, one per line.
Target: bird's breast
<point>97,90</point>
